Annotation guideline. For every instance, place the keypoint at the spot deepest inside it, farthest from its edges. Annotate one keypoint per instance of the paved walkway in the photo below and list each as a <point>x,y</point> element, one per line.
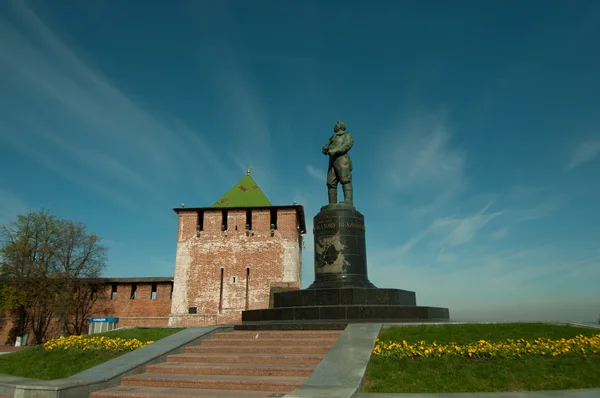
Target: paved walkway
<point>7,349</point>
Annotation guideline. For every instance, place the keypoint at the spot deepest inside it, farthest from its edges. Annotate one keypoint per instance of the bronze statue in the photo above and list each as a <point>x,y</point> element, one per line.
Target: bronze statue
<point>340,165</point>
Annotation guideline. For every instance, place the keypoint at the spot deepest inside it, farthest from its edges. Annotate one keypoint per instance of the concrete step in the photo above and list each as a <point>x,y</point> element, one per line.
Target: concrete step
<point>251,349</point>
<point>246,364</point>
<point>262,358</point>
<point>243,369</point>
<point>314,341</point>
<point>168,392</point>
<point>275,334</point>
<point>216,382</point>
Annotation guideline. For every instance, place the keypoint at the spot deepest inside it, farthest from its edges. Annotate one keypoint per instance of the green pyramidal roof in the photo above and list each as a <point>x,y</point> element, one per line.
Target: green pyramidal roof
<point>245,193</point>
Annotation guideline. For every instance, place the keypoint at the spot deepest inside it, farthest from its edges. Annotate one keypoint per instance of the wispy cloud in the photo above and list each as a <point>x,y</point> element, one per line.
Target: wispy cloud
<point>453,231</point>
<point>421,160</point>
<point>584,152</point>
<point>500,233</point>
<point>459,231</point>
<point>540,210</point>
<point>448,232</point>
<point>484,284</point>
<point>467,261</point>
<point>411,243</point>
<point>64,113</point>
<point>316,173</point>
<point>424,155</point>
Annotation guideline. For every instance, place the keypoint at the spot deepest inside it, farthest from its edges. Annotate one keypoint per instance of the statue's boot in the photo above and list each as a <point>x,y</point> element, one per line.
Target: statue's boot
<point>332,196</point>
<point>348,193</point>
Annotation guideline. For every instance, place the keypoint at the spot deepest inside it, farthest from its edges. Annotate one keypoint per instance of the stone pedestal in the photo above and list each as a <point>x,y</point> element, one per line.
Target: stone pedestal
<point>340,248</point>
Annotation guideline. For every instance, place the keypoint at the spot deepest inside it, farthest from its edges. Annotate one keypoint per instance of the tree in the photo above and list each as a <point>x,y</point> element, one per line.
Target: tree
<point>10,297</point>
<point>47,261</point>
<point>88,294</point>
<point>27,264</point>
<point>80,258</point>
<point>10,307</point>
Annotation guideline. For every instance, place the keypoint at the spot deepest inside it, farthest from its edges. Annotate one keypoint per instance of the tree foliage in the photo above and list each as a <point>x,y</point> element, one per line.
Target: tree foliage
<point>48,266</point>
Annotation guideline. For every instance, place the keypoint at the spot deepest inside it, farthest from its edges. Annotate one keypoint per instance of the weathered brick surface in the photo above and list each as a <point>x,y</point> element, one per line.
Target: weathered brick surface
<point>223,273</point>
<point>142,305</point>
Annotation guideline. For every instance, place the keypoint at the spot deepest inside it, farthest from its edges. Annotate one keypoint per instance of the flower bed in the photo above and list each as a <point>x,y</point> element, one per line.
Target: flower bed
<point>60,358</point>
<point>95,343</point>
<point>577,346</point>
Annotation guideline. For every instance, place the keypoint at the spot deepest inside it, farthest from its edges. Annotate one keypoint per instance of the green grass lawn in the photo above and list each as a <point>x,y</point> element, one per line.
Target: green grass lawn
<point>37,363</point>
<point>458,374</point>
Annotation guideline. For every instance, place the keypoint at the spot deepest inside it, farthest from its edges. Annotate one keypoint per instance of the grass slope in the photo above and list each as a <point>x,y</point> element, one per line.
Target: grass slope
<point>38,363</point>
<point>450,374</point>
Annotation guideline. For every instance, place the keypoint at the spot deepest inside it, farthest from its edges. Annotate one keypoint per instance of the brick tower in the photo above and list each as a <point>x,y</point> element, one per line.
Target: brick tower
<point>234,255</point>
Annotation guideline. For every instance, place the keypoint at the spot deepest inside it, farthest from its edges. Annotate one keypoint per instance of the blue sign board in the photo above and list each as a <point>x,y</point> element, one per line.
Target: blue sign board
<point>109,320</point>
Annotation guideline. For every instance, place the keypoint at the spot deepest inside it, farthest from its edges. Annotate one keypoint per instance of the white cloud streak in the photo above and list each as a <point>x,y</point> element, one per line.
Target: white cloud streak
<point>584,152</point>
<point>458,261</point>
<point>423,156</point>
<point>422,162</point>
<point>462,230</point>
<point>500,233</point>
<point>64,113</point>
<point>316,173</point>
<point>495,285</point>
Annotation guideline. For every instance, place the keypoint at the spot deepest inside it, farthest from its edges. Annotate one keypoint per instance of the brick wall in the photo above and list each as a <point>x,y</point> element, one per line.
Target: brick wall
<point>142,310</point>
<point>222,273</point>
<point>139,311</point>
<point>123,305</point>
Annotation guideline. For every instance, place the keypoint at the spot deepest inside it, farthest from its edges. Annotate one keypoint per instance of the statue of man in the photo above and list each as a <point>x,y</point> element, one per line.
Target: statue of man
<point>340,165</point>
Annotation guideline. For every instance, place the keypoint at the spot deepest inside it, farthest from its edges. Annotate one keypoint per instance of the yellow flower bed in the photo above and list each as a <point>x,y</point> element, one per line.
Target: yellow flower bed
<point>579,345</point>
<point>96,343</point>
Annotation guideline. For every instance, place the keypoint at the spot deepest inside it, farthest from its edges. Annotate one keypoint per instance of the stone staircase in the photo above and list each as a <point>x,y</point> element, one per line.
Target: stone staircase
<point>250,364</point>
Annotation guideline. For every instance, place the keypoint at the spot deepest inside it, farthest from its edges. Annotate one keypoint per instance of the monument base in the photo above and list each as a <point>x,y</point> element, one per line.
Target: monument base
<point>341,280</point>
<point>321,309</point>
<point>344,296</point>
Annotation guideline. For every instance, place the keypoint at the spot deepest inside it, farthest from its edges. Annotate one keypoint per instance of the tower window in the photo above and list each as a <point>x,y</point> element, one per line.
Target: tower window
<point>153,293</point>
<point>274,218</point>
<point>200,226</point>
<point>133,290</point>
<point>247,286</point>
<point>224,220</point>
<point>248,219</point>
<point>113,292</point>
<point>221,291</point>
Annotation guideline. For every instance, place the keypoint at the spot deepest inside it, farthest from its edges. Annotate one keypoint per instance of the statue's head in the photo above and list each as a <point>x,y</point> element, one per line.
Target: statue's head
<point>339,125</point>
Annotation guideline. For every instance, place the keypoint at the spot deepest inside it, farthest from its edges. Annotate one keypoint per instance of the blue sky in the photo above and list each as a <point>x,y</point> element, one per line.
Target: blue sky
<point>476,129</point>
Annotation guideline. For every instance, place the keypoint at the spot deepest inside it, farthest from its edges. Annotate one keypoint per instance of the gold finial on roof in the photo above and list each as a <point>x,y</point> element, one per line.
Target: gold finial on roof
<point>248,172</point>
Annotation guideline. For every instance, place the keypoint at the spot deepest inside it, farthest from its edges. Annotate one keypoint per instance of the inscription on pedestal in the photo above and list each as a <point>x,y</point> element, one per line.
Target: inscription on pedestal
<point>333,225</point>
